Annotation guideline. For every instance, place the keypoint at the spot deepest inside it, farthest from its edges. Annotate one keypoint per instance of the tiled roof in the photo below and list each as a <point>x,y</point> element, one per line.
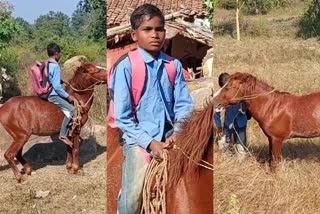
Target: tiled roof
<point>118,11</point>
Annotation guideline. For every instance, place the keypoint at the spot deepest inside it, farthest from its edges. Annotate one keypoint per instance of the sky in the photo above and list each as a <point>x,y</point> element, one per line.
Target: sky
<point>30,10</point>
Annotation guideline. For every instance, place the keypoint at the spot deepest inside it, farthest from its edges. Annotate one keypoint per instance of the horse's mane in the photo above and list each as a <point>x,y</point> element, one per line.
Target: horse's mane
<point>250,82</point>
<point>78,80</point>
<point>194,140</point>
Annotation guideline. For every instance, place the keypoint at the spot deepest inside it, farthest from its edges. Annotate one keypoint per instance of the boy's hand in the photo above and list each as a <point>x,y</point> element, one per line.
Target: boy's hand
<point>157,149</point>
<point>220,132</point>
<point>170,141</point>
<point>243,107</point>
<point>72,99</point>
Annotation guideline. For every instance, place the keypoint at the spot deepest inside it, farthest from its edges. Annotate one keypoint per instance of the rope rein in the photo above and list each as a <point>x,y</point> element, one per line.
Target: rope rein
<point>202,163</point>
<point>89,88</point>
<point>157,175</point>
<point>76,119</point>
<point>158,172</point>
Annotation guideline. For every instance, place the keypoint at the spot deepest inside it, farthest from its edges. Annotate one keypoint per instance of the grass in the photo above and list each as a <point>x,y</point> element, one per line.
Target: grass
<point>278,57</point>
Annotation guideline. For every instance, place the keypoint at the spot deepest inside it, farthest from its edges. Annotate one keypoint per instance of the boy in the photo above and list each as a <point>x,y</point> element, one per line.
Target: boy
<point>160,109</point>
<point>235,124</point>
<point>58,95</point>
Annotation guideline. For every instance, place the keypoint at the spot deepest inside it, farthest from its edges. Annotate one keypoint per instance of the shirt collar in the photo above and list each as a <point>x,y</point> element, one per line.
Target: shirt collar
<point>53,59</point>
<point>148,58</point>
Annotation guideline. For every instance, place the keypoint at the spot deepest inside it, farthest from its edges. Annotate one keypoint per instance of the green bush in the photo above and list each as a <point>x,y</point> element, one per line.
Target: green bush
<point>226,4</point>
<point>262,6</point>
<point>9,60</point>
<point>253,6</point>
<point>309,25</point>
<point>92,50</point>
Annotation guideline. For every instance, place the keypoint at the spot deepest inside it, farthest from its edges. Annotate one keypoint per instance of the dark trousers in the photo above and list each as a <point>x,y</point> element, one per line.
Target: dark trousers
<point>238,135</point>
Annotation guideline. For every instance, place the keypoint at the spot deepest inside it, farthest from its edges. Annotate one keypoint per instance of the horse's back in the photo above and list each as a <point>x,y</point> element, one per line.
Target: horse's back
<point>304,111</point>
<point>25,103</point>
<point>30,114</point>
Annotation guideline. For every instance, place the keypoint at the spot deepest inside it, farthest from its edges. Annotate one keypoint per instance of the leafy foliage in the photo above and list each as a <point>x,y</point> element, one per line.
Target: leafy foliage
<point>8,26</point>
<point>252,6</point>
<point>210,8</point>
<point>310,22</point>
<point>89,19</point>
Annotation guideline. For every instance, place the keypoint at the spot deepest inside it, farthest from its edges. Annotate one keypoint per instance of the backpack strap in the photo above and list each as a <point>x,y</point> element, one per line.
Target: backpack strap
<point>171,70</point>
<point>45,71</point>
<point>138,76</point>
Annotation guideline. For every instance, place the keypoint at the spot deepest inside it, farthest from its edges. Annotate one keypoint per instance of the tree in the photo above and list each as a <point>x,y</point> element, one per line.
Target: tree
<point>89,19</point>
<point>26,32</point>
<point>8,26</point>
<point>53,23</point>
<point>51,28</point>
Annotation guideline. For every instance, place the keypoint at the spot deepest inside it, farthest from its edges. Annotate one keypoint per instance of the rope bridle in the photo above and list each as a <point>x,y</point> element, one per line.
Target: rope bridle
<point>76,120</point>
<point>248,97</point>
<point>89,88</point>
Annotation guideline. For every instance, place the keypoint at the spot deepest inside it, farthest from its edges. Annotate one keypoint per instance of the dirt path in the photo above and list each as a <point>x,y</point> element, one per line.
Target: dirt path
<point>67,193</point>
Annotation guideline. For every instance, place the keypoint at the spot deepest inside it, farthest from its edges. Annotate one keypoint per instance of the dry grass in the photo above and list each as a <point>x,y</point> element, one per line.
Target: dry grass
<point>69,193</point>
<point>290,64</point>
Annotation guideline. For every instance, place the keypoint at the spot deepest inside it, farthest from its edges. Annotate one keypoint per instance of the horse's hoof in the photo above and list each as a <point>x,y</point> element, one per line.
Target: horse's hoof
<point>27,171</point>
<point>78,172</point>
<point>21,179</point>
<point>68,167</point>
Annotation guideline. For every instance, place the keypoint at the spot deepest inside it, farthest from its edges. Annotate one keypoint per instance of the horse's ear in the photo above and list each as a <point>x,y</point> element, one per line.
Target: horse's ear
<point>81,68</point>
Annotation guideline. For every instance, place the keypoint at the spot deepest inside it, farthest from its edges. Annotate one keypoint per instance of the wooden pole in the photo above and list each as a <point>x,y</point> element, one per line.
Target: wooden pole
<point>237,20</point>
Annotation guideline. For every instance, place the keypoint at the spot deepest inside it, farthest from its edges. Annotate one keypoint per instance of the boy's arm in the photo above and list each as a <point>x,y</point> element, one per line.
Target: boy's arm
<point>183,104</point>
<point>121,85</point>
<point>55,80</point>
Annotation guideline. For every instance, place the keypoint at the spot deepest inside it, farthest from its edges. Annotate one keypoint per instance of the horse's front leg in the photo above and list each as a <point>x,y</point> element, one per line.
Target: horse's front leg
<point>69,159</point>
<point>75,155</point>
<point>276,145</point>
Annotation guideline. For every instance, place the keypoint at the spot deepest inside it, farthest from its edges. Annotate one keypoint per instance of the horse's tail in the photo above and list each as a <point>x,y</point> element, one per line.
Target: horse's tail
<point>1,112</point>
<point>5,138</point>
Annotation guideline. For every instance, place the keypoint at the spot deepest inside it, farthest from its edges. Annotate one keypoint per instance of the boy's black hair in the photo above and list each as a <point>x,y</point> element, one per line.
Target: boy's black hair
<point>223,78</point>
<point>52,49</point>
<point>145,10</point>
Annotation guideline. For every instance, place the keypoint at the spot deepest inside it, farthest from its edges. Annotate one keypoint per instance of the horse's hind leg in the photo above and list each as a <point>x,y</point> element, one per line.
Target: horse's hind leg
<point>75,154</point>
<point>69,159</point>
<point>10,154</point>
<point>26,168</point>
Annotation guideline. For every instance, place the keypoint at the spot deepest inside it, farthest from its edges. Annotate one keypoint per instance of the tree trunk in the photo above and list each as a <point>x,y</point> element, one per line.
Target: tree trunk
<point>237,21</point>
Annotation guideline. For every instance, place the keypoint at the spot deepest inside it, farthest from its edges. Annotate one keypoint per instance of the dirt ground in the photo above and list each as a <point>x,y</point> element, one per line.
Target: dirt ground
<point>67,193</point>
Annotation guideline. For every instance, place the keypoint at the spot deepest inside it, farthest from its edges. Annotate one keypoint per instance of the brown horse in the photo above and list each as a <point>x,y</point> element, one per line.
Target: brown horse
<point>281,115</point>
<point>190,185</point>
<point>29,115</point>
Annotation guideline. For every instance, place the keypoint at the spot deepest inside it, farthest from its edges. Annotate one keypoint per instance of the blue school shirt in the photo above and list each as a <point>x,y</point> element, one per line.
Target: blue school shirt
<point>158,104</point>
<point>55,80</point>
<point>232,113</point>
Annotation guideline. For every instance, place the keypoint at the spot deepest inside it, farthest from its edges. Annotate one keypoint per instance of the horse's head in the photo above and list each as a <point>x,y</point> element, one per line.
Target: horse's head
<point>238,85</point>
<point>94,73</point>
<point>87,76</point>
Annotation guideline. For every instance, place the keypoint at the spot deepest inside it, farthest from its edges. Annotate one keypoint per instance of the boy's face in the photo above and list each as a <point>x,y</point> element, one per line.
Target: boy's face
<point>57,56</point>
<point>150,35</point>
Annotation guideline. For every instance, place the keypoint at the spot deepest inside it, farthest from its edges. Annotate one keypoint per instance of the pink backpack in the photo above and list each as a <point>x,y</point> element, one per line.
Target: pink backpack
<point>39,74</point>
<point>138,74</point>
